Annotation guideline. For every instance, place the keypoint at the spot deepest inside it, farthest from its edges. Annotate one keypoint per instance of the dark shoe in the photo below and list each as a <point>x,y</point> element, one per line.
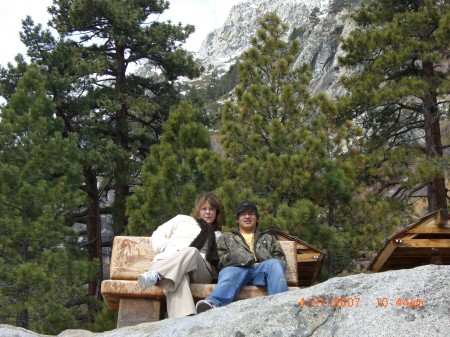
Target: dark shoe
<point>203,306</point>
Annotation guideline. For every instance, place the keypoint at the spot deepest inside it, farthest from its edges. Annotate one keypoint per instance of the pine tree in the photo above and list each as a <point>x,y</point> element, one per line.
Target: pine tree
<point>266,135</point>
<point>116,114</point>
<point>291,153</point>
<point>178,169</point>
<point>115,35</point>
<point>269,148</point>
<point>399,90</point>
<point>41,264</point>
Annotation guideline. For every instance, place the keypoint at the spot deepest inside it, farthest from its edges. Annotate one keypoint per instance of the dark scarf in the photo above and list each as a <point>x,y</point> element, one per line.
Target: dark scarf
<point>207,235</point>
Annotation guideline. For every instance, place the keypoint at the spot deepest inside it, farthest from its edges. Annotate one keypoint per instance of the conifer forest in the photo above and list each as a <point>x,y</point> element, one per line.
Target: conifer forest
<point>90,149</point>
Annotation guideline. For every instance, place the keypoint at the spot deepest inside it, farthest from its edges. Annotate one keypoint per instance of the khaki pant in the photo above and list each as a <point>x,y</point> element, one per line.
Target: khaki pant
<point>177,271</point>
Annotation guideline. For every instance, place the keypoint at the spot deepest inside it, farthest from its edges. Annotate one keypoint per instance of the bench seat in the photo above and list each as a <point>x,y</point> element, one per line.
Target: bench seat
<point>132,256</point>
<point>114,290</point>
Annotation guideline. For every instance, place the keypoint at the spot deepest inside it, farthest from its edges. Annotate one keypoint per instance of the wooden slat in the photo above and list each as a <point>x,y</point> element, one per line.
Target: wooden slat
<point>308,257</point>
<point>136,311</point>
<point>131,256</point>
<point>426,243</point>
<point>115,290</point>
<point>302,246</point>
<point>316,273</point>
<point>409,236</point>
<point>290,250</point>
<point>429,228</point>
<point>201,291</point>
<point>385,254</point>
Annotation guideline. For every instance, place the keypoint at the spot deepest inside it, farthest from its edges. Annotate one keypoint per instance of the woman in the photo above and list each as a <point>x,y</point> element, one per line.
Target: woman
<point>186,251</point>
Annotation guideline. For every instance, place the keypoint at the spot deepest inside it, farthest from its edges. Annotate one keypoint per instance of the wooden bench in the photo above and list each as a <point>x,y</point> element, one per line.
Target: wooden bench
<point>132,256</point>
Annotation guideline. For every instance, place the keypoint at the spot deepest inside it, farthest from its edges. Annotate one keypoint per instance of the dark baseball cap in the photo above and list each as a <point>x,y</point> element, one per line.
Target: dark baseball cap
<point>245,204</point>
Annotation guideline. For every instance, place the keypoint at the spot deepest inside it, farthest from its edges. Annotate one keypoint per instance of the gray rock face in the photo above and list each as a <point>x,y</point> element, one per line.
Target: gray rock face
<point>233,37</point>
<point>413,302</point>
<point>320,41</point>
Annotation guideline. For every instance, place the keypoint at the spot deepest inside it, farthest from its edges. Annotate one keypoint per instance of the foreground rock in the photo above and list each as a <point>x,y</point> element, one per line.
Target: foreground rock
<point>413,302</point>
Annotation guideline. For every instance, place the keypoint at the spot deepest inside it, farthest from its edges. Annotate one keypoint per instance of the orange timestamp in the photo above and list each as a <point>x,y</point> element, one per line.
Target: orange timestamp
<point>354,302</point>
<point>383,302</point>
<point>332,302</point>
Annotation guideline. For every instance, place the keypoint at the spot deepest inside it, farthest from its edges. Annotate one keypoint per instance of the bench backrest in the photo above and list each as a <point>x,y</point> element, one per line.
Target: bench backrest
<point>132,255</point>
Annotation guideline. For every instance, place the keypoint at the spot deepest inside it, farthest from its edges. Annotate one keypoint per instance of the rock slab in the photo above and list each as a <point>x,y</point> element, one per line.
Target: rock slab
<point>410,302</point>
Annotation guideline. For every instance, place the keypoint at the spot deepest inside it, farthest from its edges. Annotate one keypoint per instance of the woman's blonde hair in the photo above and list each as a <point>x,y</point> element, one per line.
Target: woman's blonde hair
<point>214,201</point>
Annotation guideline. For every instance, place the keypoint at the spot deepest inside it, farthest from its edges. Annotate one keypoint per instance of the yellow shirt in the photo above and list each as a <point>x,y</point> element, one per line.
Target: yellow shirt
<point>249,239</point>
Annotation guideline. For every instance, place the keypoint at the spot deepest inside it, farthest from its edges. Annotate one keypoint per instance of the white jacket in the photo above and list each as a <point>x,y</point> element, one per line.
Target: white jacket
<point>174,235</point>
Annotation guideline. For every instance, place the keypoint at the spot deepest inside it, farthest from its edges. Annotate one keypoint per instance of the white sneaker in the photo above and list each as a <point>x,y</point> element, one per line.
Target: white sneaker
<point>203,306</point>
<point>148,279</point>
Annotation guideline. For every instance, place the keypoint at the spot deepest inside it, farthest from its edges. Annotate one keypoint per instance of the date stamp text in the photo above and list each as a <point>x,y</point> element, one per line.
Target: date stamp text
<point>355,302</point>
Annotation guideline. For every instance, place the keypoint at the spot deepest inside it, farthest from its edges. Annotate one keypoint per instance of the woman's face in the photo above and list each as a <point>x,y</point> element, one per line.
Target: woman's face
<point>208,213</point>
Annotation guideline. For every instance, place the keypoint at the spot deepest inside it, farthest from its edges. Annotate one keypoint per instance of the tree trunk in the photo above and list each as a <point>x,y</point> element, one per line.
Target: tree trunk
<point>437,194</point>
<point>94,231</point>
<point>332,246</point>
<point>121,174</point>
<point>22,319</point>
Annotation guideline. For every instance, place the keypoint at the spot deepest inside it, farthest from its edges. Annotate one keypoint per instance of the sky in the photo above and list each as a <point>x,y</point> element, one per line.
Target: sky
<point>205,15</point>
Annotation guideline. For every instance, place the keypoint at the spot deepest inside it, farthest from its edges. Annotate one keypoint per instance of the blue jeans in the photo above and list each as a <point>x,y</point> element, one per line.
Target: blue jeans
<point>269,273</point>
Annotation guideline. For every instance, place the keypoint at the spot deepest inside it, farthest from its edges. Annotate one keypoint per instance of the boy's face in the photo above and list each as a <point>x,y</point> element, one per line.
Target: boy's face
<point>247,220</point>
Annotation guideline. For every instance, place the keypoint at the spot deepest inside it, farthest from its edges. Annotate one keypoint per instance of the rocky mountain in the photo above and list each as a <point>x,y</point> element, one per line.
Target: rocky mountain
<point>319,23</point>
<point>409,302</point>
